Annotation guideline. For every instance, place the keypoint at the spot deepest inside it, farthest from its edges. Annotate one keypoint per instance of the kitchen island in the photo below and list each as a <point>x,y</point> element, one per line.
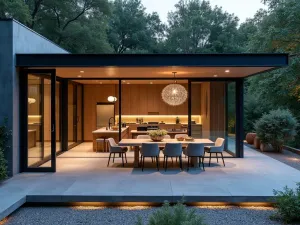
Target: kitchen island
<point>135,133</point>
<point>105,134</point>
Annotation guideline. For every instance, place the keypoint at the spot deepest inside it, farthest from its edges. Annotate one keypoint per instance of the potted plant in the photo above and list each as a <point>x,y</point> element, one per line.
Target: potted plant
<point>275,128</point>
<point>250,138</point>
<point>157,135</point>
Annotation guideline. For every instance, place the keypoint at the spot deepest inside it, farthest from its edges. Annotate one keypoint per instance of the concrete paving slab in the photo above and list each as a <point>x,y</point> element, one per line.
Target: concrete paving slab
<point>252,178</point>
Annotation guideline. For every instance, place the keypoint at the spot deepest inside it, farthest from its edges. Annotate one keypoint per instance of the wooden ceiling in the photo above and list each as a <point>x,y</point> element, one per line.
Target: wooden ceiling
<point>157,72</point>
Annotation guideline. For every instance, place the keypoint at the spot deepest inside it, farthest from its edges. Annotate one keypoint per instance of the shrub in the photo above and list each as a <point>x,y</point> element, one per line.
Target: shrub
<point>176,215</point>
<point>4,135</point>
<point>276,127</point>
<point>288,204</point>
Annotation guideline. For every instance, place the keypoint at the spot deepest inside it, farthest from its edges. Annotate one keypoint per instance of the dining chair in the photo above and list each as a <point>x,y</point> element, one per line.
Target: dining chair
<point>179,136</point>
<point>195,150</point>
<point>143,136</point>
<point>172,150</point>
<point>115,148</point>
<point>149,150</point>
<point>218,148</point>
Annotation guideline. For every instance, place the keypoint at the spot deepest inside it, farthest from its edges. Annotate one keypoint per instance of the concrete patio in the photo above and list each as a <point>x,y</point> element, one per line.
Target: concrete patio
<point>251,179</point>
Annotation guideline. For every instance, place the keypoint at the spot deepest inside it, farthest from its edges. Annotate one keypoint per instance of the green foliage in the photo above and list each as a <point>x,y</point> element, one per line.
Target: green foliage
<point>176,215</point>
<point>288,204</point>
<point>154,133</point>
<point>132,29</point>
<point>16,9</point>
<point>4,136</point>
<point>276,127</point>
<point>196,27</point>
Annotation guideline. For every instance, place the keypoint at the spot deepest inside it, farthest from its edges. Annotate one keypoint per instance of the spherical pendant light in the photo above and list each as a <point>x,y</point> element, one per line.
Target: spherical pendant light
<point>112,99</point>
<point>174,94</point>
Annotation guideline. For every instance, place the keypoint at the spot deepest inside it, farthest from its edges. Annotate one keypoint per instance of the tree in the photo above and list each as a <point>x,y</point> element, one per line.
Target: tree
<point>132,29</point>
<point>16,9</point>
<point>196,27</point>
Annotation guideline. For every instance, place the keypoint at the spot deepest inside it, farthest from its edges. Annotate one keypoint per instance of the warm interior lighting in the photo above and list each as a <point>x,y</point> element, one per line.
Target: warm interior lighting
<point>174,94</point>
<point>167,119</point>
<point>112,99</point>
<point>31,100</point>
<point>227,71</point>
<point>81,71</point>
<point>79,76</point>
<point>215,75</point>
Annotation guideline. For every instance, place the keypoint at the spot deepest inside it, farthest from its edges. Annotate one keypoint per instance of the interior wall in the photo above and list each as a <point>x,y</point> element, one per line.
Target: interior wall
<point>205,109</point>
<point>217,110</point>
<point>145,99</point>
<point>94,93</point>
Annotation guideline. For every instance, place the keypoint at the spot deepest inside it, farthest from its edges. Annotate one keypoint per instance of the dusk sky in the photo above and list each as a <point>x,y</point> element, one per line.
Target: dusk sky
<point>241,8</point>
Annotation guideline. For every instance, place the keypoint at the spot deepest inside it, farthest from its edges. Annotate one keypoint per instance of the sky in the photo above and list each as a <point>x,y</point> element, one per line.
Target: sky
<point>241,8</point>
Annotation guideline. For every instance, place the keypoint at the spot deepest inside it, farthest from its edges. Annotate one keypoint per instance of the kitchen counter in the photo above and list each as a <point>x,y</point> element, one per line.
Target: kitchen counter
<point>103,130</point>
<point>169,132</point>
<point>105,134</point>
<point>135,133</point>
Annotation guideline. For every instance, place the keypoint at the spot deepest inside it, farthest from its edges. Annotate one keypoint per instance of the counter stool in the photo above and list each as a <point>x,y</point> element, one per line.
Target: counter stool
<point>103,141</point>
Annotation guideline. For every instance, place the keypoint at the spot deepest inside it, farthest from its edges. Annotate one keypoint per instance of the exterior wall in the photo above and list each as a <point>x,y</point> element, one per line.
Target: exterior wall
<point>16,38</point>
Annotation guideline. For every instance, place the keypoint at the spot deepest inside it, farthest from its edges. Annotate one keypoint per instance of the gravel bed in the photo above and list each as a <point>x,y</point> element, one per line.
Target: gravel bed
<point>79,215</point>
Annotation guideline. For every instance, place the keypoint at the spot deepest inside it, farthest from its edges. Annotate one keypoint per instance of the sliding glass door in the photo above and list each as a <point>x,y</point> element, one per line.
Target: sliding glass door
<point>40,104</point>
<point>75,114</point>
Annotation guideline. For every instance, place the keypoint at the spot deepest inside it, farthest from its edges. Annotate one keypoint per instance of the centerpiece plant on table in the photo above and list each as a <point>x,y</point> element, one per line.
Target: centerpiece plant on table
<point>157,135</point>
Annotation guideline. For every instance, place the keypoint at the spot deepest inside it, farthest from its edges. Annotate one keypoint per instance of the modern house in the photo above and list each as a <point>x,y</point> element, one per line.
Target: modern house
<point>56,101</point>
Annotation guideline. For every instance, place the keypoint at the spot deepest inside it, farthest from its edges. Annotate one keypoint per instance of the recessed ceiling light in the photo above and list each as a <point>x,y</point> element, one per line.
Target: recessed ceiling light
<point>100,82</point>
<point>79,76</point>
<point>81,71</point>
<point>215,75</point>
<point>124,81</point>
<point>151,82</point>
<point>227,71</point>
<point>128,83</point>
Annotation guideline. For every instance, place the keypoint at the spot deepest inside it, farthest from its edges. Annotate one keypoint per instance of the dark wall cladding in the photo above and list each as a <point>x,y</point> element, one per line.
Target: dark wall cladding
<point>16,38</point>
<point>205,60</point>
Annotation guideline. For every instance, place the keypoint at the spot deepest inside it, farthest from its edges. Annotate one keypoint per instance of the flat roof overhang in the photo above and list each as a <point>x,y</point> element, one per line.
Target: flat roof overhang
<point>155,65</point>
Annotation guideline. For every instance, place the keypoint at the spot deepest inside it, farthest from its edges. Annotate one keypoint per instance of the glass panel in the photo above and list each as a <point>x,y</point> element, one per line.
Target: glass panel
<point>39,120</point>
<point>231,117</point>
<point>215,109</point>
<point>196,99</point>
<point>143,107</point>
<point>71,115</point>
<point>58,119</point>
<point>79,113</point>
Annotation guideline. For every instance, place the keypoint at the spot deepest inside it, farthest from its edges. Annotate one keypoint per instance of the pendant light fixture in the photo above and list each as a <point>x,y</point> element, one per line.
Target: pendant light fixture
<point>174,94</point>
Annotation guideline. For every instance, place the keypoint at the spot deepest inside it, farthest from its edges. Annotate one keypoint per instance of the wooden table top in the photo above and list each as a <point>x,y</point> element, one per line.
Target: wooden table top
<point>138,142</point>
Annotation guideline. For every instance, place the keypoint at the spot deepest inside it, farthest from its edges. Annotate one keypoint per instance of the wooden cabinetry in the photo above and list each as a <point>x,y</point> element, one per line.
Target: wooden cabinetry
<point>142,99</point>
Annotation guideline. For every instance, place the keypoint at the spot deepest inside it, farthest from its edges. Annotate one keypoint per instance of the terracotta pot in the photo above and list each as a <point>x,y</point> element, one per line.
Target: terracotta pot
<point>257,142</point>
<point>157,138</point>
<point>250,138</point>
<point>266,147</point>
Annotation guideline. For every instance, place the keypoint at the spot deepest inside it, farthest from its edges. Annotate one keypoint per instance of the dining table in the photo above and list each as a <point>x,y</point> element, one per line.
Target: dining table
<point>137,143</point>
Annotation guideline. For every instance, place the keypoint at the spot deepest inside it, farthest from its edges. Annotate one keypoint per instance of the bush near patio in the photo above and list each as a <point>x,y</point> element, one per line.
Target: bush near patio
<point>4,135</point>
<point>276,128</point>
<point>176,215</point>
<point>288,205</point>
